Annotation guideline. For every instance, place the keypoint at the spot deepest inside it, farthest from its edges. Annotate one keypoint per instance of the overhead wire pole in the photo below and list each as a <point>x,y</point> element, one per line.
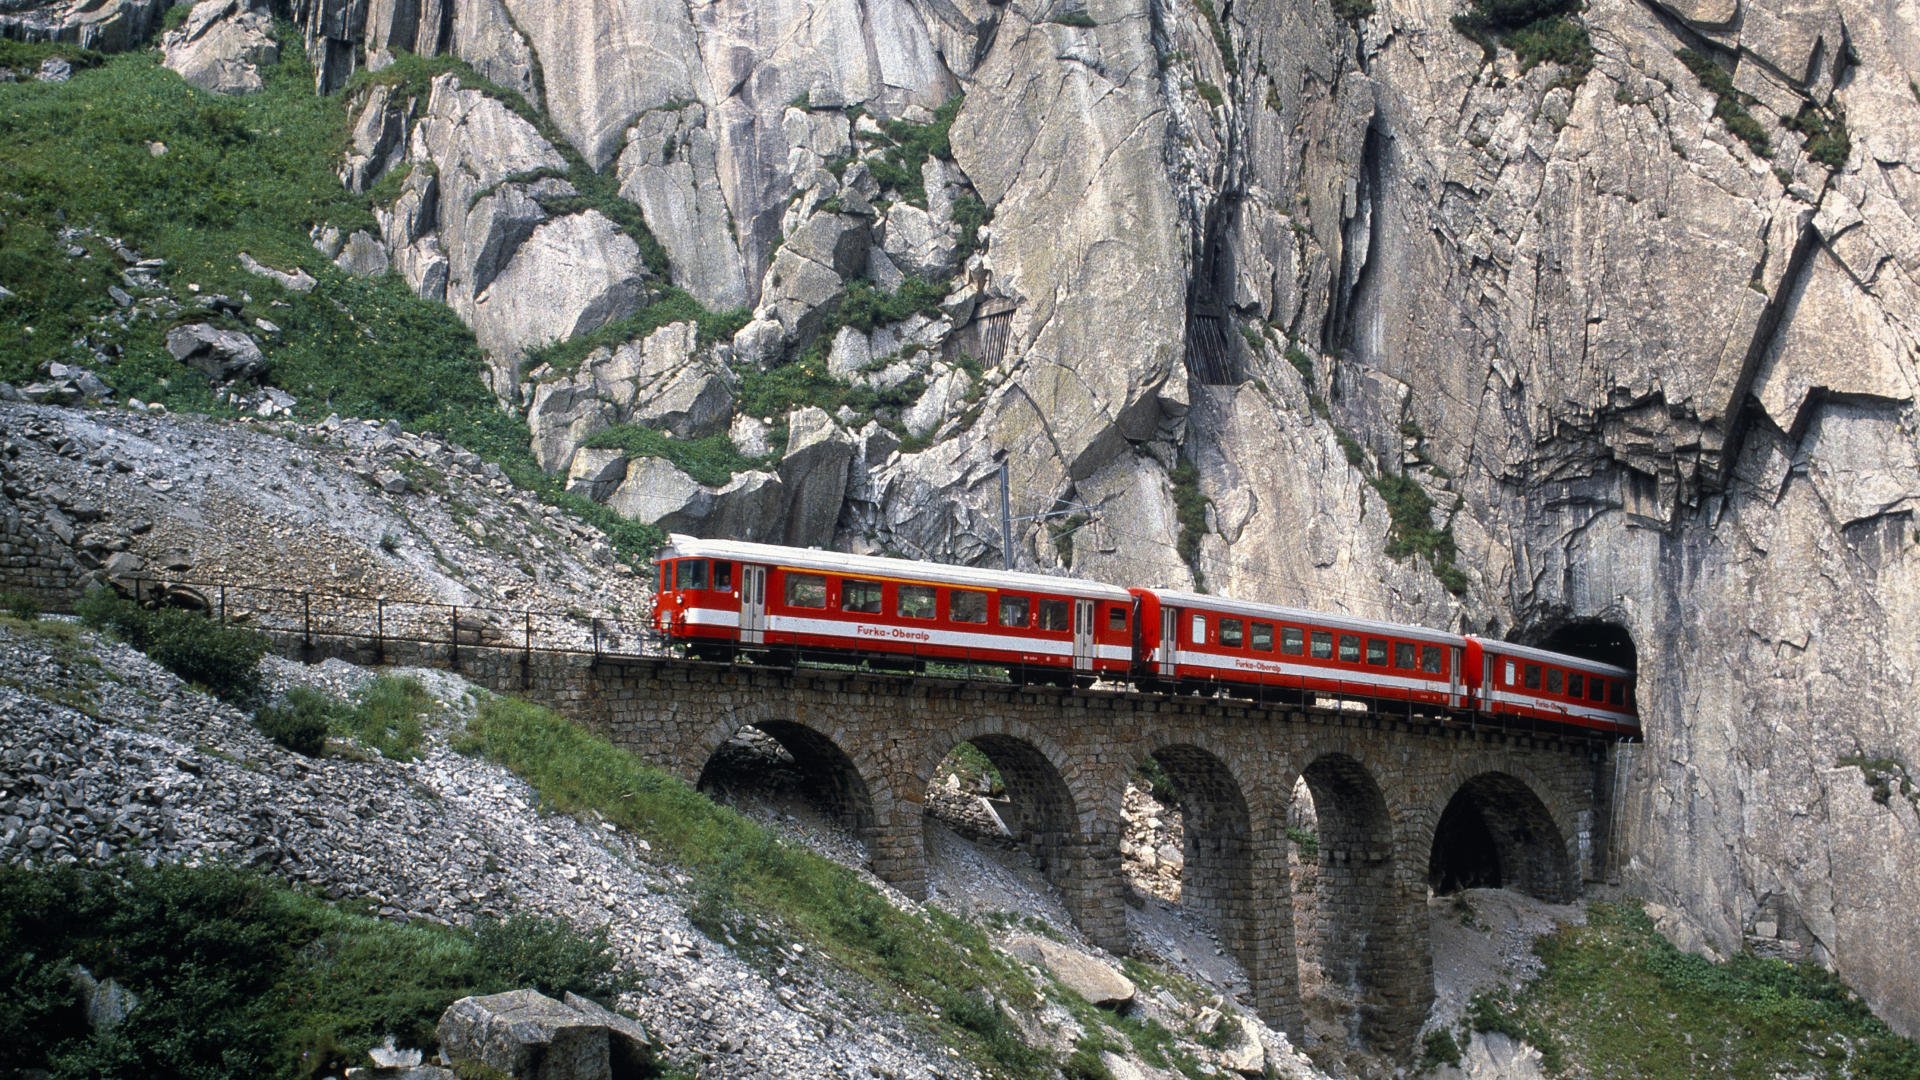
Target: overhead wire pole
<point>1007,519</point>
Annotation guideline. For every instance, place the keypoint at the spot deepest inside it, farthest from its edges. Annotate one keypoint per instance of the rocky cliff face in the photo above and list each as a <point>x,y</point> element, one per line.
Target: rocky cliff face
<point>1428,332</point>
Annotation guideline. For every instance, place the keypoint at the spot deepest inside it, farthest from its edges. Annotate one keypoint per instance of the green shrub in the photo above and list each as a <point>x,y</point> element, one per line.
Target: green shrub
<point>865,306</point>
<point>1306,841</point>
<point>1538,31</point>
<point>1209,92</point>
<point>1730,105</point>
<point>223,659</point>
<point>1190,509</point>
<point>711,459</point>
<point>1085,1064</point>
<point>547,955</point>
<point>300,723</point>
<point>1352,10</point>
<point>910,144</point>
<point>1827,140</point>
<point>1437,1049</point>
<point>1076,18</point>
<point>674,305</point>
<point>386,716</point>
<point>238,975</point>
<point>21,604</point>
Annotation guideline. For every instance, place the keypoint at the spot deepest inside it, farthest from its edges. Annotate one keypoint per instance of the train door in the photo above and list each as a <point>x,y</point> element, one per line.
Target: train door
<point>1169,646</point>
<point>753,604</point>
<point>1083,647</point>
<point>1456,675</point>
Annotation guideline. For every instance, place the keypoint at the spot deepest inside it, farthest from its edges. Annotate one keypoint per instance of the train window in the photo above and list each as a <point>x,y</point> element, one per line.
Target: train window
<point>1433,658</point>
<point>1555,680</point>
<point>1199,629</point>
<point>1617,693</point>
<point>1596,689</point>
<point>1117,619</point>
<point>1013,610</point>
<point>806,590</point>
<point>722,576</point>
<point>693,573</point>
<point>1053,614</point>
<point>860,596</point>
<point>964,606</point>
<point>666,577</point>
<point>915,602</point>
<point>1292,641</point>
<point>1377,652</point>
<point>1405,656</point>
<point>1263,636</point>
<point>1232,634</point>
<point>1350,648</point>
<point>1530,671</point>
<point>1577,685</point>
<point>1322,645</point>
<point>1532,677</point>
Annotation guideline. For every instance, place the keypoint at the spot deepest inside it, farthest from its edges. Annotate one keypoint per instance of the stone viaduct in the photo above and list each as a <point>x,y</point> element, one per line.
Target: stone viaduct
<point>1391,794</point>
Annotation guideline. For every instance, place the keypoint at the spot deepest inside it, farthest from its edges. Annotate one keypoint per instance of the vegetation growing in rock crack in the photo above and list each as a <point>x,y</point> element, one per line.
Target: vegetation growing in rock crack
<point>1730,105</point>
<point>909,146</point>
<point>710,459</point>
<point>1538,31</point>
<point>1190,509</point>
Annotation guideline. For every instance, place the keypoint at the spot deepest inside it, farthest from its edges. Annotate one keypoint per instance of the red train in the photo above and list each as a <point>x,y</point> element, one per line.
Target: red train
<point>719,595</point>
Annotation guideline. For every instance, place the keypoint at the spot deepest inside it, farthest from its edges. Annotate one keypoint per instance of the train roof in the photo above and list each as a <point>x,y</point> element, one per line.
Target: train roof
<point>1507,648</point>
<point>680,546</point>
<point>1301,615</point>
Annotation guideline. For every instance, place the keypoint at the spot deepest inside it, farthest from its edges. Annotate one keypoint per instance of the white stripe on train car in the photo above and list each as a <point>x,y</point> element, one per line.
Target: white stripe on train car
<point>699,616</point>
<point>1550,705</point>
<point>1435,685</point>
<point>916,635</point>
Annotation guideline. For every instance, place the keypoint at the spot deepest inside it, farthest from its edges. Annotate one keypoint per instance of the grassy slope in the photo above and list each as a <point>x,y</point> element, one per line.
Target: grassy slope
<point>1618,1002</point>
<point>250,174</point>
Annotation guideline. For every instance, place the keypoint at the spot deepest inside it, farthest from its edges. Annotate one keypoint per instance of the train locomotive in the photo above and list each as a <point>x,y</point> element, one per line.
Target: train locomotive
<point>717,597</point>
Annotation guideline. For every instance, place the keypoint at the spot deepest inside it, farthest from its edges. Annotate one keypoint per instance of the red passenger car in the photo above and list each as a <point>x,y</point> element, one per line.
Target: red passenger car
<point>1513,680</point>
<point>727,593</point>
<point>718,596</point>
<point>1200,640</point>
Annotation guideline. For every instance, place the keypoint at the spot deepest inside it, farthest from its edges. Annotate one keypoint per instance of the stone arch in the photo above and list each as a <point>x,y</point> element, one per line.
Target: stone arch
<point>1054,812</point>
<point>1496,831</point>
<point>1358,930</point>
<point>1217,827</point>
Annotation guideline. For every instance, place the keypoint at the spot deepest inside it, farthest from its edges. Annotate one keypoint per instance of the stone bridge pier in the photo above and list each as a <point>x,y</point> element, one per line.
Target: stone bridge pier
<point>1402,804</point>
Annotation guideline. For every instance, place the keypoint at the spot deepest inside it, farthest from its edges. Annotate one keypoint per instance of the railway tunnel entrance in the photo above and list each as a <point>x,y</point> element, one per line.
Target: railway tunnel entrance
<point>1594,639</point>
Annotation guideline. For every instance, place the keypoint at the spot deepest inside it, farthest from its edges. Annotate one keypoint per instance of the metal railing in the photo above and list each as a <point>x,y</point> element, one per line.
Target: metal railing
<point>318,615</point>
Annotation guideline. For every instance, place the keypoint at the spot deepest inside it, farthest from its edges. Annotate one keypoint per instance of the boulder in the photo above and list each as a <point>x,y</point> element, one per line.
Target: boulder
<point>564,414</point>
<point>665,381</point>
<point>527,1035</point>
<point>595,473</point>
<point>363,255</point>
<point>296,280</point>
<point>749,436</point>
<point>629,1049</point>
<point>221,355</point>
<point>814,471</point>
<point>221,47</point>
<point>1090,977</point>
<point>378,140</point>
<point>917,244</point>
<point>752,506</point>
<point>944,397</point>
<point>657,493</point>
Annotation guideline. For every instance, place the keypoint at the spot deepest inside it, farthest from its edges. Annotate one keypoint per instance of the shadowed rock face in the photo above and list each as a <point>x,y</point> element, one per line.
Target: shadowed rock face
<point>1643,373</point>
